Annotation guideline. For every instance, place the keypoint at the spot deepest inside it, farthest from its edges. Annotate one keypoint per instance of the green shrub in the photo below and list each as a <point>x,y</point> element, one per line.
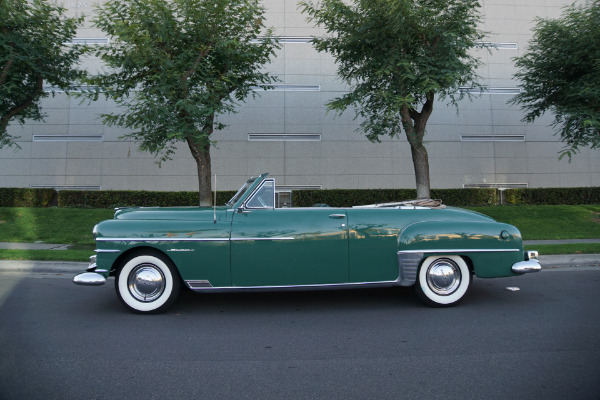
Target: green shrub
<point>131,198</point>
<point>26,197</point>
<point>553,196</point>
<point>355,197</point>
<point>466,197</point>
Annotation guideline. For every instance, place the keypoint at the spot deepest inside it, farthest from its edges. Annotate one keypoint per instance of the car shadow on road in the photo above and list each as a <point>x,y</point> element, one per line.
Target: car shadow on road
<point>286,301</point>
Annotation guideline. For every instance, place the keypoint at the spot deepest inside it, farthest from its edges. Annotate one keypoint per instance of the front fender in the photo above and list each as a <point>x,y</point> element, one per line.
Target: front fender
<point>491,247</point>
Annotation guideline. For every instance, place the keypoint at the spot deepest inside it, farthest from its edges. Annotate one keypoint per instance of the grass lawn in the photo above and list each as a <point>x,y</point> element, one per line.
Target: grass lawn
<point>74,226</point>
<point>571,248</point>
<point>549,222</point>
<point>50,225</point>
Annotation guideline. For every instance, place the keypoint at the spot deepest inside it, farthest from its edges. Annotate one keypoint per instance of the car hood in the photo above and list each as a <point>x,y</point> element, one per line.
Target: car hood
<point>169,213</point>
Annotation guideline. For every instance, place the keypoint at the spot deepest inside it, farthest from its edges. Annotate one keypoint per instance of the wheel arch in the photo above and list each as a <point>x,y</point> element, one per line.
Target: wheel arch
<point>139,250</point>
<point>469,262</point>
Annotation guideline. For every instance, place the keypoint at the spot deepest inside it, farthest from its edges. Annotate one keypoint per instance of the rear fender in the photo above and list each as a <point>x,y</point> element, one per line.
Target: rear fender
<point>490,247</point>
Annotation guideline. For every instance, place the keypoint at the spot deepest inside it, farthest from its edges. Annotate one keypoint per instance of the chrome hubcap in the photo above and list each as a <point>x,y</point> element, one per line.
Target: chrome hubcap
<point>146,283</point>
<point>443,277</point>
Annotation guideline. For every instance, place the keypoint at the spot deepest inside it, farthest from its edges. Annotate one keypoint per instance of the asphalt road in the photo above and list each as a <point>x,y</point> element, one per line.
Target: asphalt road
<point>61,341</point>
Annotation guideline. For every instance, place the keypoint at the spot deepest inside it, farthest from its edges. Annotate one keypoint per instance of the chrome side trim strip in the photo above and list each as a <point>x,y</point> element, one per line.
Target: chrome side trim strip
<point>198,284</point>
<point>460,251</point>
<point>204,286</point>
<point>172,239</point>
<point>257,239</point>
<point>106,251</point>
<point>166,239</point>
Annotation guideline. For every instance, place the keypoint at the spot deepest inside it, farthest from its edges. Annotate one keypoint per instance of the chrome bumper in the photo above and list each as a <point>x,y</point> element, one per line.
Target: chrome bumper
<point>90,277</point>
<point>530,265</point>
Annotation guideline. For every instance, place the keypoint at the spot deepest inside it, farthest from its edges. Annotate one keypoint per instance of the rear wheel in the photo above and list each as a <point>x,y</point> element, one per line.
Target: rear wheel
<point>147,283</point>
<point>443,281</point>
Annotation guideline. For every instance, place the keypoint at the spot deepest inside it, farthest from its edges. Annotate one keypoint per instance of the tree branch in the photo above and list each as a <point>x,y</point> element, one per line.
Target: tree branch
<point>191,71</point>
<point>16,110</point>
<point>428,106</point>
<point>7,67</point>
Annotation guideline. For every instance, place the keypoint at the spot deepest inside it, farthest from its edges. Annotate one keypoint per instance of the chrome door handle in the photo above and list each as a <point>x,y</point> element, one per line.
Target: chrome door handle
<point>337,216</point>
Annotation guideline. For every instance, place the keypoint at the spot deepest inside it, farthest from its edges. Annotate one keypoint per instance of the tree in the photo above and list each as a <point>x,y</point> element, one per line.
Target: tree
<point>33,54</point>
<point>560,73</point>
<point>397,56</point>
<point>177,64</point>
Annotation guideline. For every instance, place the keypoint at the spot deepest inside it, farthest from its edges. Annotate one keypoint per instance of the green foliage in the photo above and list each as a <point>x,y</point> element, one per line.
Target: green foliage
<point>176,64</point>
<point>20,197</point>
<point>397,56</point>
<point>560,74</point>
<point>452,197</point>
<point>466,197</point>
<point>550,196</point>
<point>397,53</point>
<point>33,55</point>
<point>348,197</point>
<point>130,198</point>
<point>356,197</point>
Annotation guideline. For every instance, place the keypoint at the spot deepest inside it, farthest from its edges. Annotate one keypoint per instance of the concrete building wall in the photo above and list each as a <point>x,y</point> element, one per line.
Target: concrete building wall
<point>485,143</point>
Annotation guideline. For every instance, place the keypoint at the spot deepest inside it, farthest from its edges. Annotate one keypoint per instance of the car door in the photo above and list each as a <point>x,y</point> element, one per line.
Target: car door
<point>287,246</point>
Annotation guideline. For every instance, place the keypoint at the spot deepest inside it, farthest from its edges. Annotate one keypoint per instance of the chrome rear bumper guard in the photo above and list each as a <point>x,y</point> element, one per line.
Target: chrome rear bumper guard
<point>530,265</point>
<point>91,277</point>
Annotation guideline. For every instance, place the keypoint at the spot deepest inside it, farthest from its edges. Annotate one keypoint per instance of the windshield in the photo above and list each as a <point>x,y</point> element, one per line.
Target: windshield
<point>240,192</point>
<point>264,197</point>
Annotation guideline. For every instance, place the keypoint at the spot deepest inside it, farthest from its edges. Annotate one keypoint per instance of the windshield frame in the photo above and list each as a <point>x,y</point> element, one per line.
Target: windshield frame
<point>245,190</point>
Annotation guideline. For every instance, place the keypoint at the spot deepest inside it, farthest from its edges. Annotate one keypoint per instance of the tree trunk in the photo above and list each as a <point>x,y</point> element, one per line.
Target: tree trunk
<point>414,124</point>
<point>421,165</point>
<point>201,153</point>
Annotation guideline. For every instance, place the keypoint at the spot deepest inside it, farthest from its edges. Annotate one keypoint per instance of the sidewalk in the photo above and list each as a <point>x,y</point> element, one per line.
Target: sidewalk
<point>60,267</point>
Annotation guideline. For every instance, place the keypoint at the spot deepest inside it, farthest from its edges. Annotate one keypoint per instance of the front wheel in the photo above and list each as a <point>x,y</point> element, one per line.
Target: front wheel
<point>147,283</point>
<point>443,281</point>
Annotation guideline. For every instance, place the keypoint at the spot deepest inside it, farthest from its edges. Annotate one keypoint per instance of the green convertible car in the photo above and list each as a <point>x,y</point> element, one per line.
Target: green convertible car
<point>248,244</point>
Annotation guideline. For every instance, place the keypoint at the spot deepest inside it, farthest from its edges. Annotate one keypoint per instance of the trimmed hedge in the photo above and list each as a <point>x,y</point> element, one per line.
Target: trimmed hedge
<point>131,198</point>
<point>26,197</point>
<point>355,197</point>
<point>553,196</point>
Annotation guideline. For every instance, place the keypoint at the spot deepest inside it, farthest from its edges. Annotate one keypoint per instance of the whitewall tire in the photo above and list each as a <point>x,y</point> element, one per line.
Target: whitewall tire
<point>443,280</point>
<point>147,283</point>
